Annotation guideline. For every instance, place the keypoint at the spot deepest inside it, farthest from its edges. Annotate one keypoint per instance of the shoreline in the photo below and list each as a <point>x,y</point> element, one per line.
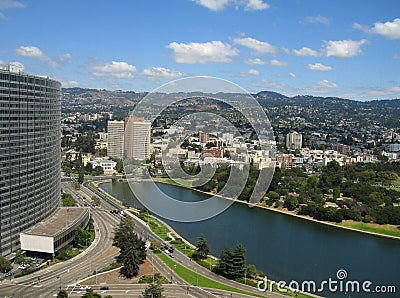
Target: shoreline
<point>288,213</point>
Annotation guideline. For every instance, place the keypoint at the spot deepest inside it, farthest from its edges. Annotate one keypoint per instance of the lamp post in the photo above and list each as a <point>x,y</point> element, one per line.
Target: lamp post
<point>59,277</point>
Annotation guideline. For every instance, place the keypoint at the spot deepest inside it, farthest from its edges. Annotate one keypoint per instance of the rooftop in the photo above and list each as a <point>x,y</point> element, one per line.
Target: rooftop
<point>62,219</point>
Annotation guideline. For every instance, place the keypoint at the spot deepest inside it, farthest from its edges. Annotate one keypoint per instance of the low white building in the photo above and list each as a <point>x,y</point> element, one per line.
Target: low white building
<point>107,165</point>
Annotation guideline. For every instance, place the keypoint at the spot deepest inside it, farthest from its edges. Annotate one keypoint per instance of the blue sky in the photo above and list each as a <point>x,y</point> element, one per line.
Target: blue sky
<point>339,48</point>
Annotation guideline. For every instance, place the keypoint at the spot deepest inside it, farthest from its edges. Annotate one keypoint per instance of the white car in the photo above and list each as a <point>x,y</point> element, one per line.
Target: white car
<point>85,288</point>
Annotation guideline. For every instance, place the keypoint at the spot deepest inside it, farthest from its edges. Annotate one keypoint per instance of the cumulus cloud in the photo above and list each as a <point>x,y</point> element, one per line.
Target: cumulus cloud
<point>161,72</point>
<point>256,45</point>
<point>256,5</point>
<point>319,67</point>
<point>343,48</point>
<point>7,4</point>
<point>34,53</point>
<point>316,20</point>
<point>253,72</point>
<point>304,51</point>
<point>390,30</point>
<point>255,61</point>
<point>65,57</point>
<point>374,93</point>
<point>325,84</point>
<point>119,70</point>
<point>213,4</point>
<point>275,62</point>
<point>19,65</point>
<point>30,51</point>
<point>216,5</point>
<point>214,51</point>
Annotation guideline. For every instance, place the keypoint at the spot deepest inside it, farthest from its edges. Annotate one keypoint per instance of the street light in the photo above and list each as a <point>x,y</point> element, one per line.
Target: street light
<point>59,277</point>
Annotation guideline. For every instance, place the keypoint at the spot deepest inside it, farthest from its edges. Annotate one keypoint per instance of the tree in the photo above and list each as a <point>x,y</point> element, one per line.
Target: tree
<point>153,291</point>
<point>232,264</point>
<point>62,294</point>
<point>239,261</point>
<point>90,294</point>
<point>81,237</point>
<point>67,200</point>
<point>133,249</point>
<point>5,265</point>
<point>202,249</point>
<point>96,201</point>
<point>98,171</point>
<point>132,255</point>
<point>19,257</point>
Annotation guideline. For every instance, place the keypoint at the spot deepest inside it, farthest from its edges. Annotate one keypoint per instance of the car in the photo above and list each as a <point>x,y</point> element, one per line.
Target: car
<point>9,273</point>
<point>85,288</point>
<point>104,288</point>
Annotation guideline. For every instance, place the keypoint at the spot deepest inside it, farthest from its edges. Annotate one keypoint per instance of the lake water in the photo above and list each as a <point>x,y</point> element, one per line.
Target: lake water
<point>284,247</point>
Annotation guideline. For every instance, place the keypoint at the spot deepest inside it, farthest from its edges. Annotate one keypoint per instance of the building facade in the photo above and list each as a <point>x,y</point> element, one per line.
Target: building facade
<point>294,140</point>
<point>137,138</point>
<point>115,138</point>
<point>30,110</point>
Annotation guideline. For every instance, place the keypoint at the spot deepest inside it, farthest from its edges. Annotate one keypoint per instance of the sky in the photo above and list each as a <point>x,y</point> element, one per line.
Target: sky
<point>342,48</point>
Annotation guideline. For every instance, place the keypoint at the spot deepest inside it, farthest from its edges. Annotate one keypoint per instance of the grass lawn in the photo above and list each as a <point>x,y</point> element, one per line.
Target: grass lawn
<point>179,182</point>
<point>196,279</point>
<point>389,230</point>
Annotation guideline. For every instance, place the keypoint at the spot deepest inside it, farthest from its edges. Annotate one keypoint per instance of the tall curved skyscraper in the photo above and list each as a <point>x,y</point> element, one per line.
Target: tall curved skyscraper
<point>30,111</point>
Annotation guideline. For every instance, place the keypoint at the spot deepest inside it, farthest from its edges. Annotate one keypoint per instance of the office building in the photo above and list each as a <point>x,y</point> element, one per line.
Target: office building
<point>137,138</point>
<point>294,140</point>
<point>203,137</point>
<point>115,138</point>
<point>29,153</point>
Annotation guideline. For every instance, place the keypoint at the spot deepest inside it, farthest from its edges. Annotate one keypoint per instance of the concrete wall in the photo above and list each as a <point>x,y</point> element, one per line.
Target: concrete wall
<point>37,243</point>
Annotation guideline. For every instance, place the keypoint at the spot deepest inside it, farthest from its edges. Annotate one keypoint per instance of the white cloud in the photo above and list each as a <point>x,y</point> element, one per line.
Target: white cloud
<point>253,72</point>
<point>304,51</point>
<point>213,4</point>
<point>293,75</point>
<point>34,53</point>
<point>19,65</point>
<point>316,20</point>
<point>214,51</point>
<point>275,62</point>
<point>256,45</point>
<point>7,4</point>
<point>161,72</point>
<point>216,5</point>
<point>390,30</point>
<point>326,84</point>
<point>343,48</point>
<point>374,93</point>
<point>319,67</point>
<point>256,5</point>
<point>30,51</point>
<point>255,61</point>
<point>65,57</point>
<point>119,70</point>
<point>70,84</point>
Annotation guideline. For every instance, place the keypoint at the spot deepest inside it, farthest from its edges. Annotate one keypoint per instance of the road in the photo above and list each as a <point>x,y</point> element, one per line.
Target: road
<point>47,282</point>
<point>142,228</point>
